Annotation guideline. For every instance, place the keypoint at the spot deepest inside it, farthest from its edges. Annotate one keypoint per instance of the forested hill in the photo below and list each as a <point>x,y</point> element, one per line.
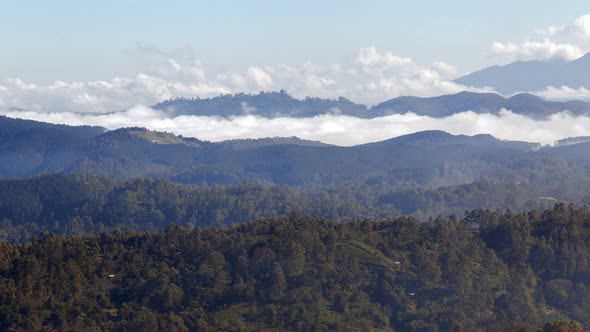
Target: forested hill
<point>281,104</point>
<point>31,147</point>
<point>406,161</point>
<point>427,159</point>
<point>484,272</point>
<point>90,205</point>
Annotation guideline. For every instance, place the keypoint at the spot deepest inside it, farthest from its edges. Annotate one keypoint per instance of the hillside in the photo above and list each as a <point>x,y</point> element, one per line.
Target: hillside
<point>480,273</point>
<point>30,147</point>
<point>89,205</point>
<point>429,159</point>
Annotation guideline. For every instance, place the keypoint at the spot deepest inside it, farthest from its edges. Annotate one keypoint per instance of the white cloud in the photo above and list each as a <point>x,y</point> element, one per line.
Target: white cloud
<point>161,82</point>
<point>568,41</point>
<point>564,93</point>
<point>260,77</point>
<point>329,128</point>
<point>372,76</point>
<point>540,50</point>
<point>371,57</point>
<point>580,28</point>
<point>445,69</point>
<point>317,82</point>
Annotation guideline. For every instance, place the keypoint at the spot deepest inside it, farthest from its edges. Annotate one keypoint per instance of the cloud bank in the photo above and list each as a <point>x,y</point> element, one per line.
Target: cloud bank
<point>568,42</point>
<point>370,77</point>
<point>564,93</point>
<point>328,128</point>
<point>537,50</point>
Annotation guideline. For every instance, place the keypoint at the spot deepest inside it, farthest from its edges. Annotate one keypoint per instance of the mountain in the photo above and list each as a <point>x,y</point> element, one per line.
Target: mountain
<point>532,75</point>
<point>31,147</point>
<point>442,106</point>
<point>572,140</point>
<point>279,104</point>
<point>430,159</point>
<point>267,104</point>
<point>423,174</point>
<point>407,159</point>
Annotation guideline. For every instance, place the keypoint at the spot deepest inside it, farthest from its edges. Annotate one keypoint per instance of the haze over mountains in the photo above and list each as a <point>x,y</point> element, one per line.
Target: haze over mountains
<point>431,158</point>
<point>513,79</point>
<point>341,121</point>
<point>533,75</point>
<point>281,104</point>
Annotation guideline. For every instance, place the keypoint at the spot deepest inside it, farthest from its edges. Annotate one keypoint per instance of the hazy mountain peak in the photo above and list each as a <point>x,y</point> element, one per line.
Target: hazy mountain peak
<point>526,97</point>
<point>281,104</point>
<point>583,58</point>
<point>532,75</point>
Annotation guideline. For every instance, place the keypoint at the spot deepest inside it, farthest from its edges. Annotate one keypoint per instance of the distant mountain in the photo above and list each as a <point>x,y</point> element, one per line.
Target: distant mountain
<point>442,106</point>
<point>533,75</point>
<point>430,159</point>
<point>267,104</point>
<point>279,104</point>
<point>572,140</point>
<point>573,150</point>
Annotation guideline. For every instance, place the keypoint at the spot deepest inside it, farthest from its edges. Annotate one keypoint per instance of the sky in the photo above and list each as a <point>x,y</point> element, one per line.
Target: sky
<point>44,41</point>
<point>65,59</point>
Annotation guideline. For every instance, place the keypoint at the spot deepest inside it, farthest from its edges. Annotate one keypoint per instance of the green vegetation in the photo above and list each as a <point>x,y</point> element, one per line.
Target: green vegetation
<point>483,272</point>
<point>99,251</point>
<point>88,204</point>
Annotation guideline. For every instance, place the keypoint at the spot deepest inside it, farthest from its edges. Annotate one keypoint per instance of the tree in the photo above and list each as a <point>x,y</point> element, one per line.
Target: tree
<point>563,326</point>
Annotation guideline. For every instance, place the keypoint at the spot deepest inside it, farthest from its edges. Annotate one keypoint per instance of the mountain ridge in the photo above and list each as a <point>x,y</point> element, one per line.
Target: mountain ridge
<point>422,158</point>
<point>532,75</point>
<point>281,104</point>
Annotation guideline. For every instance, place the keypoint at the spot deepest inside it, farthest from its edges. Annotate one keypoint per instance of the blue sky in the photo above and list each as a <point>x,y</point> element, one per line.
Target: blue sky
<point>43,41</point>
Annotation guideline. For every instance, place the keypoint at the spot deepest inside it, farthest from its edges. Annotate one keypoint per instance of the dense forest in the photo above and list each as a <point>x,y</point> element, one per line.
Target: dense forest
<point>487,271</point>
<point>88,204</point>
<point>138,230</point>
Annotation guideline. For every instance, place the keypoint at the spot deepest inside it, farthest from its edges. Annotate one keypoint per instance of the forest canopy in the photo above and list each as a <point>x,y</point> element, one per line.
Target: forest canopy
<point>485,271</point>
<point>89,204</point>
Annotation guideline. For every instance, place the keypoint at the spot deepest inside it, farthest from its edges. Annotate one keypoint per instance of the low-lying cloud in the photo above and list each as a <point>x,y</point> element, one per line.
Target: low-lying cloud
<point>328,128</point>
<point>370,77</point>
<point>564,93</point>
